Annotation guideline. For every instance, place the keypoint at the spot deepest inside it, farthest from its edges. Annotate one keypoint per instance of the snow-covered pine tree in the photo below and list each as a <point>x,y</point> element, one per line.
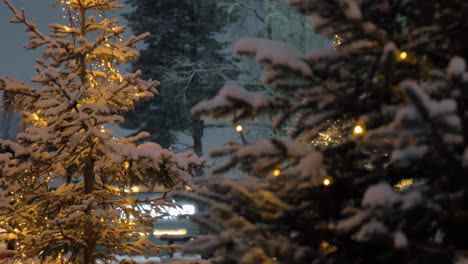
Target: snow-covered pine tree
<point>393,189</point>
<point>65,142</point>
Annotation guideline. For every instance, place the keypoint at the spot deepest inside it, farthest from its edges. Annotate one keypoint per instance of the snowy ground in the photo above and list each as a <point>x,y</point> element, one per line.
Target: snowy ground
<point>161,260</point>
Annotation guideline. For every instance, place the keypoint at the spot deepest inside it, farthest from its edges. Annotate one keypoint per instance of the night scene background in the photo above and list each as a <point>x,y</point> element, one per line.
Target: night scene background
<point>233,131</point>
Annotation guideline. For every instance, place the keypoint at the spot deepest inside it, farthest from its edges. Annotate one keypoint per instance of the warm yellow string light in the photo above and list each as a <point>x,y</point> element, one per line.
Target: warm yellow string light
<point>403,55</point>
<point>358,130</point>
<point>276,172</point>
<point>327,182</point>
<point>126,165</point>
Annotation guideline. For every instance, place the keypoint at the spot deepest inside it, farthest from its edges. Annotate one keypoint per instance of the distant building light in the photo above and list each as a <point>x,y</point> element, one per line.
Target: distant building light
<point>173,232</point>
<point>187,209</point>
<point>169,212</point>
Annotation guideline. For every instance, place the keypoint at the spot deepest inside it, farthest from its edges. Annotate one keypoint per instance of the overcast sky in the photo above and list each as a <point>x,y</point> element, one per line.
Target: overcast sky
<point>14,60</point>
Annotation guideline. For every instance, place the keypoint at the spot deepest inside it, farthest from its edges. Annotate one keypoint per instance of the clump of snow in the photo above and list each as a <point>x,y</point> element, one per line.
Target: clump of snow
<point>389,49</point>
<point>462,261</point>
<point>457,66</point>
<point>351,9</point>
<point>380,194</point>
<point>373,227</point>
<point>400,240</point>
<point>409,153</point>
<point>411,199</point>
<point>268,147</point>
<point>232,95</point>
<point>274,53</point>
<point>353,221</point>
<point>369,27</point>
<point>318,22</point>
<point>442,107</point>
<point>311,165</point>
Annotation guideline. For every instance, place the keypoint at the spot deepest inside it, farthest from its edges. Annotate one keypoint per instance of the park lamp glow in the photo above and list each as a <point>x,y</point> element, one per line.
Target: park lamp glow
<point>239,128</point>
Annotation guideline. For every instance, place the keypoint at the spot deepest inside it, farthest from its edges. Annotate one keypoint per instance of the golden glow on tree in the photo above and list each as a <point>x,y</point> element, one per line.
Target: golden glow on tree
<point>126,165</point>
<point>239,128</point>
<point>337,41</point>
<point>403,184</point>
<point>36,117</point>
<point>327,248</point>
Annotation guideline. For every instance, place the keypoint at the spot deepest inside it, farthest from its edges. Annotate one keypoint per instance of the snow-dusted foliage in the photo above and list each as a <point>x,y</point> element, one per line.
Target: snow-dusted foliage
<point>65,142</point>
<point>393,187</point>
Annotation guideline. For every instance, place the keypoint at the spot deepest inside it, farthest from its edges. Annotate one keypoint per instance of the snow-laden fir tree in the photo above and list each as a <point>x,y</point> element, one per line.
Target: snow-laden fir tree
<point>65,142</point>
<point>394,187</point>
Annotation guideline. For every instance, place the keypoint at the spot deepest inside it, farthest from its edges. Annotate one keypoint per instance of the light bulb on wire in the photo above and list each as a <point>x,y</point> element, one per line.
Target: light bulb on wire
<point>276,172</point>
<point>358,130</point>
<point>327,182</point>
<point>403,55</point>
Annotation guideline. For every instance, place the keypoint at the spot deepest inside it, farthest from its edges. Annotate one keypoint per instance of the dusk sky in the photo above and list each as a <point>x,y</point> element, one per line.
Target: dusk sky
<point>14,60</point>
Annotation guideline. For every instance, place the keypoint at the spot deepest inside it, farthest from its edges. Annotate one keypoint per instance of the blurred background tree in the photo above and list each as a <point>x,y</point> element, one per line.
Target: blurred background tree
<point>184,54</point>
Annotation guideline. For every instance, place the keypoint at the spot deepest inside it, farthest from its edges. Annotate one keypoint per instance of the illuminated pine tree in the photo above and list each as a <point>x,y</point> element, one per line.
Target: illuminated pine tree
<point>66,142</point>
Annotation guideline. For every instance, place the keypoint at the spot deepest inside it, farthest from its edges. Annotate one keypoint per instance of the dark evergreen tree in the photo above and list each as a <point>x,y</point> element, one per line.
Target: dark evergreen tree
<point>374,169</point>
<point>184,54</point>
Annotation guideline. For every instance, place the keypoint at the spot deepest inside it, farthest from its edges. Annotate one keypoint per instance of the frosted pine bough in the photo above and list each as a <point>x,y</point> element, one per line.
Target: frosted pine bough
<point>64,141</point>
<point>395,191</point>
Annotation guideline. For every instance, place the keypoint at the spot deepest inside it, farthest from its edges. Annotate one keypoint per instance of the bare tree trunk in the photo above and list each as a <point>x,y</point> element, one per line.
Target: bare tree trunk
<point>10,124</point>
<point>88,171</point>
<point>197,135</point>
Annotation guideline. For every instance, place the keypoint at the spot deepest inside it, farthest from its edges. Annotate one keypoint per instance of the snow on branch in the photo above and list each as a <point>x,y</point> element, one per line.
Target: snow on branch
<point>236,97</point>
<point>274,53</point>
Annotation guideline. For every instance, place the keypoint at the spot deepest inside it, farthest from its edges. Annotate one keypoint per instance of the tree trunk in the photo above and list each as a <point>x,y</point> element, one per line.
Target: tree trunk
<point>88,170</point>
<point>197,135</point>
<point>90,236</point>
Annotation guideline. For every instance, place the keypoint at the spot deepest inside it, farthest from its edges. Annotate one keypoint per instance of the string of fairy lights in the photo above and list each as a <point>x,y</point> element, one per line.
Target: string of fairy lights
<point>102,71</point>
<point>336,133</point>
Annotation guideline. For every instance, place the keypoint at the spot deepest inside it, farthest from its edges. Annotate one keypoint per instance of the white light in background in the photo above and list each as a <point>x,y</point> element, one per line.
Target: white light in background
<point>173,232</point>
<point>183,209</point>
<point>187,209</point>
